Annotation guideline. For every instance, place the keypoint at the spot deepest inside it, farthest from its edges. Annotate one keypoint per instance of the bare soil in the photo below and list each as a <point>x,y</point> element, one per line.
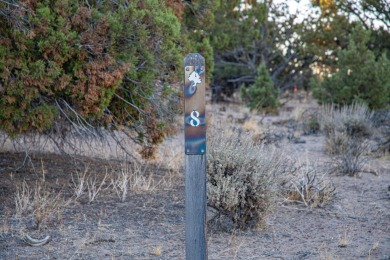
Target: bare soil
<point>150,224</point>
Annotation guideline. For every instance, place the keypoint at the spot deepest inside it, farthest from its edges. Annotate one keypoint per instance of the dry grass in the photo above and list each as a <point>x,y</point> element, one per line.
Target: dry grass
<point>120,184</point>
<point>137,177</point>
<point>343,239</point>
<point>252,125</point>
<point>381,122</point>
<point>79,182</point>
<point>22,198</point>
<point>47,203</point>
<point>352,160</point>
<point>372,249</point>
<point>140,181</point>
<point>157,251</point>
<point>170,156</point>
<point>95,186</point>
<point>348,124</point>
<point>164,224</point>
<point>39,201</point>
<point>121,179</point>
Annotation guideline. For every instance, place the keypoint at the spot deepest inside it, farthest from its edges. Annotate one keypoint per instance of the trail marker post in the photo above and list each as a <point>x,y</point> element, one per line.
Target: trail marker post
<point>195,156</point>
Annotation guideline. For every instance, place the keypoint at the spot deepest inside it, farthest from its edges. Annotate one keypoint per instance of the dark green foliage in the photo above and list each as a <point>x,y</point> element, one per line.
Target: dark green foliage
<point>145,36</point>
<point>370,12</point>
<point>49,57</point>
<point>262,95</point>
<point>197,22</point>
<point>311,125</point>
<point>108,63</point>
<point>360,76</point>
<point>236,38</point>
<point>247,33</point>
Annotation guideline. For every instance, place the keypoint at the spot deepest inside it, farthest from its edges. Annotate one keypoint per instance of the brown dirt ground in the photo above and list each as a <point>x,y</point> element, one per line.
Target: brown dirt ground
<point>150,224</point>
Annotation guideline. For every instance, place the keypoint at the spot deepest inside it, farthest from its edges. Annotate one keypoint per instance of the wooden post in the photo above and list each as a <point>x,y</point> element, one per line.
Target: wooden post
<point>195,156</point>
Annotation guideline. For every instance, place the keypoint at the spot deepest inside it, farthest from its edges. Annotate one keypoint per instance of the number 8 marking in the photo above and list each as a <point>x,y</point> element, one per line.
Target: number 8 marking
<point>195,118</point>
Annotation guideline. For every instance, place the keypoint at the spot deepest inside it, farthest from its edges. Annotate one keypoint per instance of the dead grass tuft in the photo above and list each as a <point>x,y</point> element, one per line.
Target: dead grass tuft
<point>79,183</point>
<point>95,186</point>
<point>373,248</point>
<point>120,184</point>
<point>343,239</point>
<point>39,201</point>
<point>157,251</point>
<point>22,198</point>
<point>121,179</point>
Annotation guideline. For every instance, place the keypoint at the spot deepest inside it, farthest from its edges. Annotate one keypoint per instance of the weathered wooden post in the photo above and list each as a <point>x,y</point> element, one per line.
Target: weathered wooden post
<point>195,156</point>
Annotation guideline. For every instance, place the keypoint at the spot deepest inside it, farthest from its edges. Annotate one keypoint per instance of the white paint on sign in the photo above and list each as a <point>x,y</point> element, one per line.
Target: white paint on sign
<point>195,118</point>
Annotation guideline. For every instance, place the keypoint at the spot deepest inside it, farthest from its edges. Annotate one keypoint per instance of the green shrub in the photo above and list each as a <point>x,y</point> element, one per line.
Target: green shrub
<point>310,123</point>
<point>242,178</point>
<point>197,20</point>
<point>40,63</point>
<point>98,64</point>
<point>262,95</point>
<point>359,77</point>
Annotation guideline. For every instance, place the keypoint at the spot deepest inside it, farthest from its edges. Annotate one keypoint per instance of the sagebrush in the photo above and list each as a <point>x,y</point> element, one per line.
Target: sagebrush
<point>309,184</point>
<point>242,177</point>
<point>381,123</point>
<point>347,130</point>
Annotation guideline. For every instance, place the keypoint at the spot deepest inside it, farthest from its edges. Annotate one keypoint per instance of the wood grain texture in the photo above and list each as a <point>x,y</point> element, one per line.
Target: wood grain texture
<point>194,59</point>
<point>195,203</point>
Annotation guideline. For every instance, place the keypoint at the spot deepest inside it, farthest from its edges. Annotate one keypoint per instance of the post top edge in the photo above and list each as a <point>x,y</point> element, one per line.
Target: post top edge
<point>194,59</point>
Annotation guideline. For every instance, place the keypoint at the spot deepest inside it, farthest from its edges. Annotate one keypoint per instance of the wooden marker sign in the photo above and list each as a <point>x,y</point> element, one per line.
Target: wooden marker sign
<point>195,156</point>
<point>194,104</point>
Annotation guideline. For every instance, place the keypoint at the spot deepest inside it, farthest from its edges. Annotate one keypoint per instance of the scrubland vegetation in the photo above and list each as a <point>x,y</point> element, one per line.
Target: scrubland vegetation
<point>258,179</point>
<point>298,128</point>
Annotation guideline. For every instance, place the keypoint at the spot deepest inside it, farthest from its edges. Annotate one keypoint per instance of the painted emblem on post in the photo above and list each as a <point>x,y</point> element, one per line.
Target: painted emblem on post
<point>195,79</point>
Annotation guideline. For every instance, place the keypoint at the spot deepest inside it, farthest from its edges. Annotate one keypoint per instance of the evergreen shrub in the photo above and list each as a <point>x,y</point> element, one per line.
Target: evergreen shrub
<point>361,76</point>
<point>89,65</point>
<point>262,95</point>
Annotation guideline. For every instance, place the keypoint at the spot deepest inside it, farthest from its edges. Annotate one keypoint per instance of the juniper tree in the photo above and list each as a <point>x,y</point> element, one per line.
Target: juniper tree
<point>359,76</point>
<point>88,64</point>
<point>262,95</point>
